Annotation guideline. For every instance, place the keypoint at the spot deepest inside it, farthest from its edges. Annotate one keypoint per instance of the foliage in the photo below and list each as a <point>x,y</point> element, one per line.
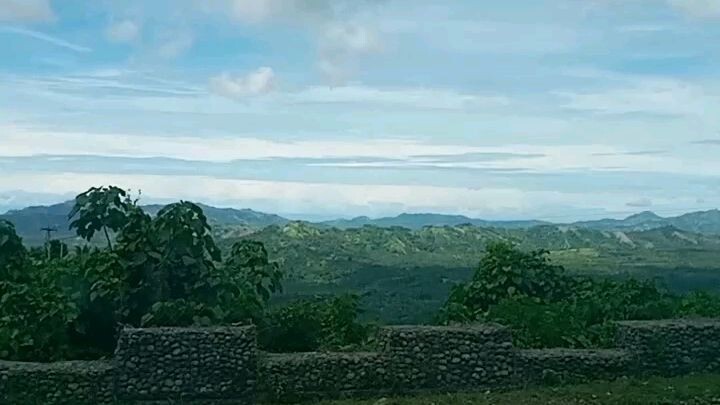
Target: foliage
<point>100,208</point>
<point>312,324</point>
<point>547,308</point>
<point>699,304</point>
<point>155,271</point>
<point>507,272</point>
<point>13,255</point>
<point>33,320</point>
<point>33,309</point>
<point>250,279</point>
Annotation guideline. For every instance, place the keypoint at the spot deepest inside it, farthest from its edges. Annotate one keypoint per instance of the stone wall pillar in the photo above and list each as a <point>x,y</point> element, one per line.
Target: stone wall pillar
<point>672,347</point>
<point>448,358</point>
<point>206,365</point>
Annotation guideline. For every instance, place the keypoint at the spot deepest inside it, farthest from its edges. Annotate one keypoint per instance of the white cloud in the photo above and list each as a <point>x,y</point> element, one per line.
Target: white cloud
<point>339,37</point>
<point>254,10</point>
<point>402,153</point>
<point>123,31</point>
<point>340,44</point>
<point>46,38</point>
<point>643,202</point>
<point>698,8</point>
<point>408,97</point>
<point>646,95</point>
<point>283,197</point>
<point>175,45</point>
<point>350,38</point>
<point>26,10</point>
<point>258,82</point>
<point>19,142</point>
<point>257,11</point>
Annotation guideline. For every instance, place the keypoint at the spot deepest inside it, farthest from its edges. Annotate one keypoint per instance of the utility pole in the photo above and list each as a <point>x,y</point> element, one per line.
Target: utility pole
<point>48,233</point>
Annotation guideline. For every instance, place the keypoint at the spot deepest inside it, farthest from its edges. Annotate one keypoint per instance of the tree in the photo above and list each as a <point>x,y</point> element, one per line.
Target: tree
<point>100,209</point>
<point>34,311</point>
<point>13,256</point>
<point>249,260</point>
<point>506,271</point>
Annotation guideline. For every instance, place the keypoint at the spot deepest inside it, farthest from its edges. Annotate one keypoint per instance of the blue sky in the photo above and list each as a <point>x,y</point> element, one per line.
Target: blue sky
<point>551,109</point>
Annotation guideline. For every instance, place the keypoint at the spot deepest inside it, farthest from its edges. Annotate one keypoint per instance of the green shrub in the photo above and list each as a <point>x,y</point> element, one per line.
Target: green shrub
<point>546,308</point>
<point>308,325</point>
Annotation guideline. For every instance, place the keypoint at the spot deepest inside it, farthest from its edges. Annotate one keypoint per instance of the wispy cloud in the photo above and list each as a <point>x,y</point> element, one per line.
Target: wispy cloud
<point>707,142</point>
<point>443,99</point>
<point>298,197</point>
<point>645,95</point>
<point>26,11</point>
<point>257,82</point>
<point>358,153</point>
<point>46,38</point>
<point>643,202</point>
<point>172,45</point>
<point>123,31</point>
<point>698,8</point>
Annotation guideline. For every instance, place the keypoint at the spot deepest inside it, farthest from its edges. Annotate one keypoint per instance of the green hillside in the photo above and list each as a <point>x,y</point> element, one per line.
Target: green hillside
<point>405,275</point>
<point>321,255</point>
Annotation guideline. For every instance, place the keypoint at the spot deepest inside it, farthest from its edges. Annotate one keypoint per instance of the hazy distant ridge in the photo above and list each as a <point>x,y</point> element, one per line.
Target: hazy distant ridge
<point>29,221</point>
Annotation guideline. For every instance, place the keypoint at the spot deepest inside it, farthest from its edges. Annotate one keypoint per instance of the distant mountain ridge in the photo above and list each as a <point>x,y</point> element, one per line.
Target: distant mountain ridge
<point>417,221</point>
<point>235,222</point>
<point>28,221</point>
<point>703,222</point>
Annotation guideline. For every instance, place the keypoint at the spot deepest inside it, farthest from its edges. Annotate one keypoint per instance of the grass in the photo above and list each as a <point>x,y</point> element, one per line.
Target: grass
<point>697,389</point>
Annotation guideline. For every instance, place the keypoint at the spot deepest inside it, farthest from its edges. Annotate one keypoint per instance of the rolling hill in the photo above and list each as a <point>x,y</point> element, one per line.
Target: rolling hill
<point>320,254</point>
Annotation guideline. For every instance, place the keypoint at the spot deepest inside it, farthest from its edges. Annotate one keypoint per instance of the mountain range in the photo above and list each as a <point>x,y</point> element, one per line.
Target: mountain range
<point>236,222</point>
<point>29,221</point>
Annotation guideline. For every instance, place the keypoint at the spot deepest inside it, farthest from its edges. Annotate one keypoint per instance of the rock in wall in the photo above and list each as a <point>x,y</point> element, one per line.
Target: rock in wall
<point>448,358</point>
<point>672,347</point>
<point>187,364</point>
<point>313,376</point>
<point>71,382</point>
<point>555,366</point>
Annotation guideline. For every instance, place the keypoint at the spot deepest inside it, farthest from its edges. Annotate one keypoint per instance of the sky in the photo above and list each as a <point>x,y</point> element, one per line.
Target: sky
<point>549,109</point>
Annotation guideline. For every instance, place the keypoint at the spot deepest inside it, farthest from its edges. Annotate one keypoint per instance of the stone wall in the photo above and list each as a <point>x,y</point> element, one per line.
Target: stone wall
<point>72,382</point>
<point>312,376</point>
<point>448,358</point>
<point>672,347</point>
<point>186,364</point>
<point>223,365</point>
<point>558,366</point>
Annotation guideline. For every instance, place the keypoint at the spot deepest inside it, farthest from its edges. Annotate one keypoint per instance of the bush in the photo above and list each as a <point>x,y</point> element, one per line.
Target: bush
<point>309,325</point>
<point>506,272</point>
<point>546,308</point>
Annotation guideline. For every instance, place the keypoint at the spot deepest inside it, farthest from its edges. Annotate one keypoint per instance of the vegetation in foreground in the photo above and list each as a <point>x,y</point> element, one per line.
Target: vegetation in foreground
<point>698,389</point>
<point>167,270</point>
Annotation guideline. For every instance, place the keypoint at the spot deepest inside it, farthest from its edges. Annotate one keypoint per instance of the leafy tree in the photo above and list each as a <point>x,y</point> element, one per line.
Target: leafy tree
<point>57,249</point>
<point>13,256</point>
<point>251,279</point>
<point>34,311</point>
<point>546,308</point>
<point>100,209</point>
<point>506,272</point>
